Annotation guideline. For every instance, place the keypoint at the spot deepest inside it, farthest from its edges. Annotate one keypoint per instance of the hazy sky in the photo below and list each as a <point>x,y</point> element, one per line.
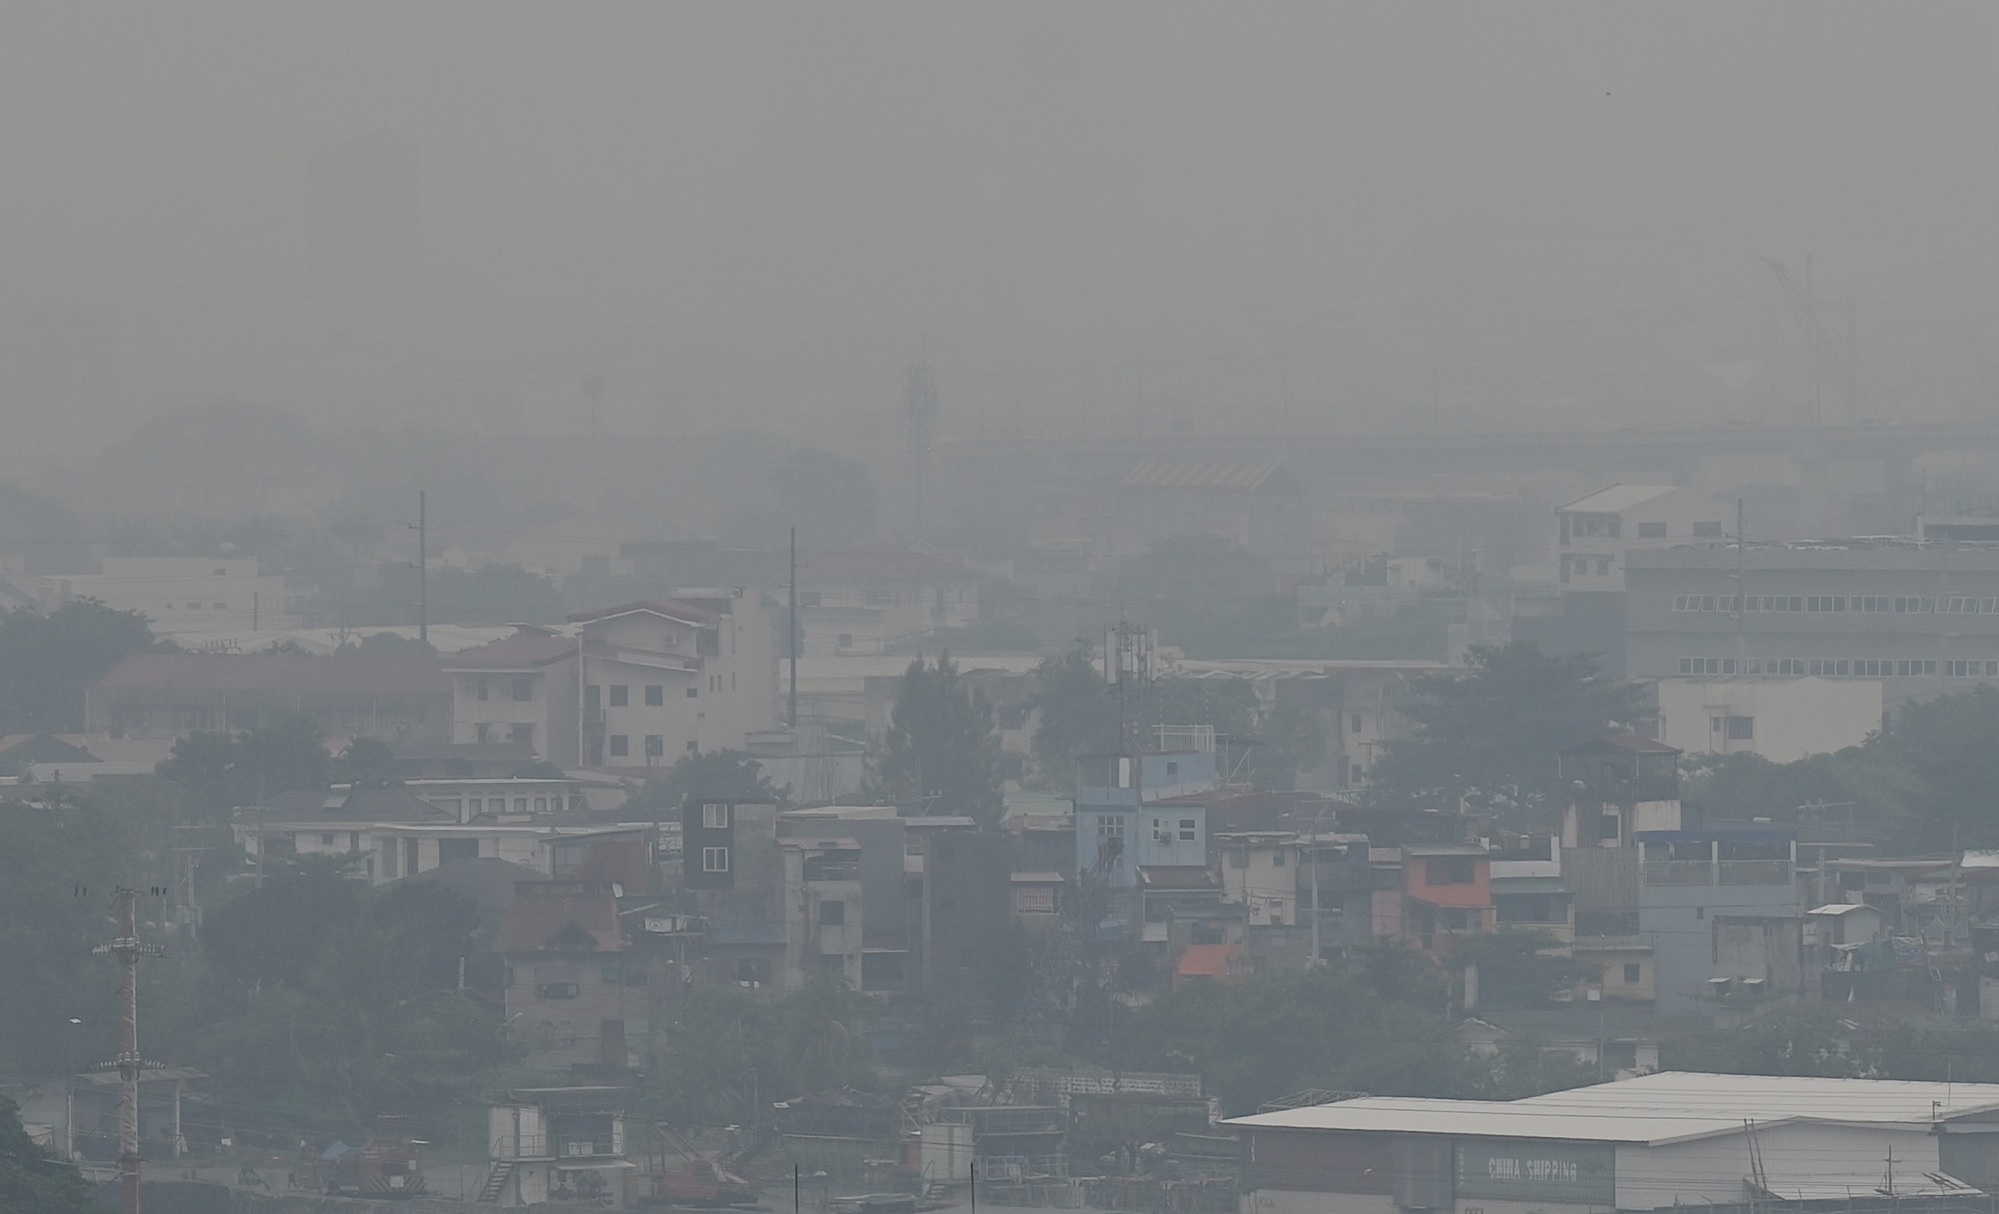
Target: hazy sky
<point>756,213</point>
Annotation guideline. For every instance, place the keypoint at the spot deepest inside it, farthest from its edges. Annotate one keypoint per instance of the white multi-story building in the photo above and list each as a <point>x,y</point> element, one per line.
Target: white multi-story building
<point>182,596</point>
<point>1783,720</point>
<point>626,687</point>
<point>1597,530</point>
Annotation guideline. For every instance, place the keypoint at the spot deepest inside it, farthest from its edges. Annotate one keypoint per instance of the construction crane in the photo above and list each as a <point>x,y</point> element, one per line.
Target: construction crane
<point>1827,354</point>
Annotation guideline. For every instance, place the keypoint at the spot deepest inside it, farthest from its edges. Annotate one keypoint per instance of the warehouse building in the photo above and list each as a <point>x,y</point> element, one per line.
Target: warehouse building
<point>1657,1141</point>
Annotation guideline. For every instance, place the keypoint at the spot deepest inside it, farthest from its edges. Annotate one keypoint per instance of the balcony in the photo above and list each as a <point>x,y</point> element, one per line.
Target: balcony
<point>1711,872</point>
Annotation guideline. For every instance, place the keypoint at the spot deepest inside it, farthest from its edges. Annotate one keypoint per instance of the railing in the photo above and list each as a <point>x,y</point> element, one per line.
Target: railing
<point>1709,872</point>
<point>543,1146</point>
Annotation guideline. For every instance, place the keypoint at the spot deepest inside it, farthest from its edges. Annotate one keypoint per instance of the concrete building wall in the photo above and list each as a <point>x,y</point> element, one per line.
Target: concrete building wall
<point>1593,544</point>
<point>1683,922</point>
<point>1922,620</point>
<point>1783,720</point>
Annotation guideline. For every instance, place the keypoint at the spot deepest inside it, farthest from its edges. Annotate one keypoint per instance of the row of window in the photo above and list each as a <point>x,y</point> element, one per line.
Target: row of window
<point>1863,668</point>
<point>1873,604</point>
<point>655,746</point>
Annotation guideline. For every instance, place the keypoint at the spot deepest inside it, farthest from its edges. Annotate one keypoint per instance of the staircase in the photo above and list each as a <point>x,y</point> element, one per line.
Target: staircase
<point>496,1181</point>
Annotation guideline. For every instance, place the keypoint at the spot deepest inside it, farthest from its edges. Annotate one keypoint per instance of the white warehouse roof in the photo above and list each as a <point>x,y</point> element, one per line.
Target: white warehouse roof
<point>1666,1107</point>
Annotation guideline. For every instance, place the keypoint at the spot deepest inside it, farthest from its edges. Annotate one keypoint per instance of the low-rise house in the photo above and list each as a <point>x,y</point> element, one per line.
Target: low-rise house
<point>1624,963</point>
<point>1447,895</point>
<point>391,833</point>
<point>631,687</point>
<point>1038,898</point>
<point>556,1145</point>
<point>575,993</point>
<point>1259,873</point>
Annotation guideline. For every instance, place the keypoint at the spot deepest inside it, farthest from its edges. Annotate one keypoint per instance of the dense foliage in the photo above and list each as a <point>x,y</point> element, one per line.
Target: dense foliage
<point>942,751</point>
<point>47,662</point>
<point>1490,736</point>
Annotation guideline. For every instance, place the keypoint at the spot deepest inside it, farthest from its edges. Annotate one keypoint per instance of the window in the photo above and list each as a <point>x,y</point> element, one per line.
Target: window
<point>621,745</point>
<point>1172,768</point>
<point>1457,919</point>
<point>457,851</point>
<point>832,914</point>
<point>655,695</point>
<point>1034,900</point>
<point>1651,531</point>
<point>621,695</point>
<point>1631,972</point>
<point>1620,1054</point>
<point>523,688</point>
<point>1603,566</point>
<point>655,746</point>
<point>1741,729</point>
<point>326,840</point>
<point>1707,530</point>
<point>808,598</point>
<point>522,735</point>
<point>1186,830</point>
<point>1449,870</point>
<point>693,692</point>
<point>715,817</point>
<point>693,747</point>
<point>844,641</point>
<point>482,733</point>
<point>613,975</point>
<point>1110,826</point>
<point>480,685</point>
<point>714,859</point>
<point>1277,858</point>
<point>1353,726</point>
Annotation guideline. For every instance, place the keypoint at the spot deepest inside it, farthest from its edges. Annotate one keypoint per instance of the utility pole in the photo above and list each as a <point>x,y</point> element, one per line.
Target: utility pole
<point>792,623</point>
<point>422,571</point>
<point>1741,619</point>
<point>128,948</point>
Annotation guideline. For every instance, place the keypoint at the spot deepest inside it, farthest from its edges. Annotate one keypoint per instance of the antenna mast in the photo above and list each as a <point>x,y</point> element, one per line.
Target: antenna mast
<point>128,948</point>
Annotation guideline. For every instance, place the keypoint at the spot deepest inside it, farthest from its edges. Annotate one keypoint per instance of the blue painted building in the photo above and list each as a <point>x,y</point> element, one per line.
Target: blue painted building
<point>1141,816</point>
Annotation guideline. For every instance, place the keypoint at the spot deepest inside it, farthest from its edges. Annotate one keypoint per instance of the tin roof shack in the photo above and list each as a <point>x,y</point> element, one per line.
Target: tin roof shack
<point>553,1145</point>
<point>1181,905</point>
<point>1011,1143</point>
<point>91,1129</point>
<point>581,999</point>
<point>841,1133</point>
<point>1846,942</point>
<point>1653,1142</point>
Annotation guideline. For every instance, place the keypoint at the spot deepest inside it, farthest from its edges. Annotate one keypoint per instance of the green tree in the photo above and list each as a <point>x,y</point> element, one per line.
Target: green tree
<point>721,775</point>
<point>1275,1034</point>
<point>1952,743</point>
<point>1517,970</point>
<point>1076,716</point>
<point>818,1041</point>
<point>366,763</point>
<point>47,662</point>
<point>1491,734</point>
<point>275,933</point>
<point>942,751</point>
<point>31,1180</point>
<point>285,754</point>
<point>205,765</point>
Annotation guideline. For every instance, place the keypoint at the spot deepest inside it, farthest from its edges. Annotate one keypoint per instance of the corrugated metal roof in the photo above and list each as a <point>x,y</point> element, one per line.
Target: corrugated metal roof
<point>1664,1107</point>
<point>1236,476</point>
<point>1615,499</point>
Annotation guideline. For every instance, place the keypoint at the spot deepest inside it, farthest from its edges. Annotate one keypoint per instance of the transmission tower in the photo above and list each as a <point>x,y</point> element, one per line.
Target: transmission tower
<point>1829,355</point>
<point>128,948</point>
